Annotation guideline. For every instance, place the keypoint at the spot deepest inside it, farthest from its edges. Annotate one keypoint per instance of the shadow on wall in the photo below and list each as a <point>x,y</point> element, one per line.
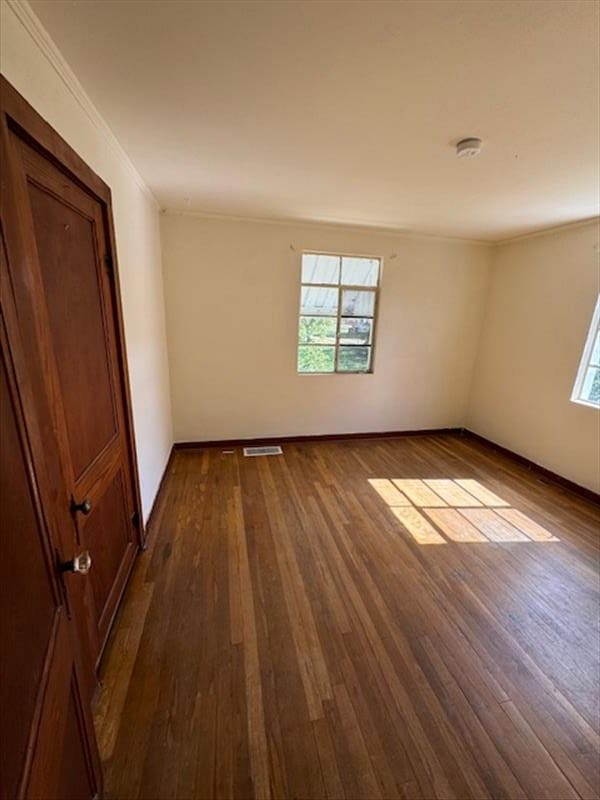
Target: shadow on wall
<point>440,510</point>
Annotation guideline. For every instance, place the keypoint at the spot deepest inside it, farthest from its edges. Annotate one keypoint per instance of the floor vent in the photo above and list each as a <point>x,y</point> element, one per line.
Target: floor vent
<point>263,451</point>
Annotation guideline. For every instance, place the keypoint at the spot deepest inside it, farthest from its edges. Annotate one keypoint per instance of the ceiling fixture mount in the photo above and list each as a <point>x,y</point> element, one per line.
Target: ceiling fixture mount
<point>467,148</point>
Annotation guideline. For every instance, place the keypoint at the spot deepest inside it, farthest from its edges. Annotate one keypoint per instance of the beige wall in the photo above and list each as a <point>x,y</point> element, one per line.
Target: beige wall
<point>541,301</point>
<point>33,66</point>
<point>232,292</point>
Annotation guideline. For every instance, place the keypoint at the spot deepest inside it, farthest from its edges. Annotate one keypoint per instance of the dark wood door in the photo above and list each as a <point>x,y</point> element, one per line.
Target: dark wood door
<point>58,227</point>
<point>47,743</point>
<point>70,270</point>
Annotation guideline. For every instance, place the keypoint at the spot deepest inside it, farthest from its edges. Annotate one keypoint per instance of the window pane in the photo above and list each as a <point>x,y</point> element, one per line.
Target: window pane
<point>320,269</point>
<point>313,358</point>
<point>354,359</point>
<point>360,271</point>
<point>358,304</point>
<point>317,330</point>
<point>591,386</point>
<point>356,331</point>
<point>319,301</point>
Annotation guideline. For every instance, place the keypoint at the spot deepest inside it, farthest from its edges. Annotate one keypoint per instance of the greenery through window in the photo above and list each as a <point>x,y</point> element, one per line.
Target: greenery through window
<point>587,383</point>
<point>338,301</point>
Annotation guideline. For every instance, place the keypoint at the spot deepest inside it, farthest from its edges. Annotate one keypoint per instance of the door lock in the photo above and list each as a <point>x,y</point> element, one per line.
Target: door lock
<point>81,563</point>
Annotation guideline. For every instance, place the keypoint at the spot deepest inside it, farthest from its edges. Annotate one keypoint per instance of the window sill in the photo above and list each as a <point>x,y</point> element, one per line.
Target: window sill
<point>330,374</point>
<point>587,403</point>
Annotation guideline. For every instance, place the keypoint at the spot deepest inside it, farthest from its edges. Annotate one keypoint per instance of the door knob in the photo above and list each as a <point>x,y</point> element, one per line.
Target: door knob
<point>80,563</point>
<point>84,507</point>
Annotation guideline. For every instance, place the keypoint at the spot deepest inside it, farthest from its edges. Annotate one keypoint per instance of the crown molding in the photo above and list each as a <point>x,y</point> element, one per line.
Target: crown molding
<point>580,223</point>
<point>315,223</point>
<point>29,21</point>
<point>383,229</point>
<point>27,18</point>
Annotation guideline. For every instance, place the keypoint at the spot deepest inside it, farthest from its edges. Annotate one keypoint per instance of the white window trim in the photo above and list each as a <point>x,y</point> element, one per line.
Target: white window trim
<point>585,360</point>
<point>340,286</point>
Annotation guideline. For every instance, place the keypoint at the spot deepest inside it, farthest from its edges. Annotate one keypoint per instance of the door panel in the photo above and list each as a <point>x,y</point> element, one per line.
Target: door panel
<point>68,263</point>
<point>109,514</point>
<point>61,767</point>
<point>73,782</point>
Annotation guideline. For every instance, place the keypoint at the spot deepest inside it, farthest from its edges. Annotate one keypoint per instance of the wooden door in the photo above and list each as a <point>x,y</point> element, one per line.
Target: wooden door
<point>58,228</point>
<point>48,747</point>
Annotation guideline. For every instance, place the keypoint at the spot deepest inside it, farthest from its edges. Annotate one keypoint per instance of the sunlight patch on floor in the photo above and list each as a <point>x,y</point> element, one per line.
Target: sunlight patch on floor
<point>388,492</point>
<point>454,526</point>
<point>488,498</point>
<point>439,510</point>
<point>419,493</point>
<point>416,524</point>
<point>493,526</point>
<point>452,493</point>
<point>528,526</point>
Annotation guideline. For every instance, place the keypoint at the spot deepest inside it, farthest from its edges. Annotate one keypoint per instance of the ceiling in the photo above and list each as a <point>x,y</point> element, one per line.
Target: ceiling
<point>350,111</point>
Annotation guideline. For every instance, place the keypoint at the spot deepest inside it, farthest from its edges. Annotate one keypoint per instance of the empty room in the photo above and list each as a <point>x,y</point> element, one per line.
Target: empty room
<point>300,440</point>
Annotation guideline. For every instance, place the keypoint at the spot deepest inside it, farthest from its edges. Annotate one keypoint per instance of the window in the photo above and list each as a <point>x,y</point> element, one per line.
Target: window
<point>587,382</point>
<point>338,301</point>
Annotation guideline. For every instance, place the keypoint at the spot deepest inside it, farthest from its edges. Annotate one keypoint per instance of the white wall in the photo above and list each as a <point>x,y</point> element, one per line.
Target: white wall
<point>232,291</point>
<point>34,67</point>
<point>542,297</point>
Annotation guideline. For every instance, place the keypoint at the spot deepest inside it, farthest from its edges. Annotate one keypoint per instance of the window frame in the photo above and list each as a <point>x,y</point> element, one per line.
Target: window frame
<point>586,358</point>
<point>375,290</point>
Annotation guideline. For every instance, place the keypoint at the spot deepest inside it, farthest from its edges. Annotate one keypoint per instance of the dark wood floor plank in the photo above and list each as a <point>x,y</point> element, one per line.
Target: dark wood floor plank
<point>285,635</point>
<point>257,734</point>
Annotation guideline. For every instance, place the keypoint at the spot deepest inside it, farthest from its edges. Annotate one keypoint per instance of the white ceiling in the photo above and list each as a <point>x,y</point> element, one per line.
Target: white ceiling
<point>349,111</point>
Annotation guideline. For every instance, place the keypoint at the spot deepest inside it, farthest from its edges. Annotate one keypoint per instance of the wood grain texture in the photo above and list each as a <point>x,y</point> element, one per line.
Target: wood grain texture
<point>285,635</point>
<point>62,279</point>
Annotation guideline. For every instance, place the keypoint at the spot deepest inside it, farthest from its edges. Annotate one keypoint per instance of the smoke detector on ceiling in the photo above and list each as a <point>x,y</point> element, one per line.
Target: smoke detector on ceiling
<point>467,148</point>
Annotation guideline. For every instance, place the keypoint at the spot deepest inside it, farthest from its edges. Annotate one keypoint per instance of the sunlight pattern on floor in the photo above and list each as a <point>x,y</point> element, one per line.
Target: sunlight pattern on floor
<point>439,510</point>
<point>414,522</point>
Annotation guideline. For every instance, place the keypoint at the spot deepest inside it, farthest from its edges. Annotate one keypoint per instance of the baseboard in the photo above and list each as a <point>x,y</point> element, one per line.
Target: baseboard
<point>147,528</point>
<point>548,475</point>
<point>319,437</point>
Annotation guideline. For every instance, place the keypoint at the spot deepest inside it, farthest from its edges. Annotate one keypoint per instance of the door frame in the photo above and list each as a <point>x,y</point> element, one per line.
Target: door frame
<point>17,114</point>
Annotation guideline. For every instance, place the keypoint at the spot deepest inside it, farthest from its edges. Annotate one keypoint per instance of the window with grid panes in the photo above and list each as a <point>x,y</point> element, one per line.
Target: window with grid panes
<point>338,304</point>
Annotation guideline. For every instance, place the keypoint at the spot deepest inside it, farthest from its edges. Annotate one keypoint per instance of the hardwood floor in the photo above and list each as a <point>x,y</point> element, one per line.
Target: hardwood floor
<point>303,627</point>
